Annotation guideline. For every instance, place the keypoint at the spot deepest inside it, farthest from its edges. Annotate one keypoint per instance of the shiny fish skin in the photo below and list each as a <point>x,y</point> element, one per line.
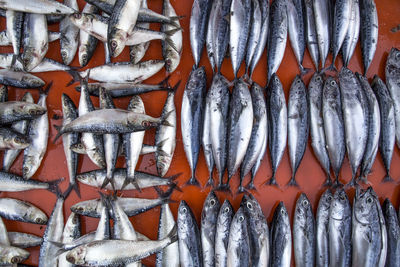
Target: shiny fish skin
<point>225,216</point>
<point>69,35</point>
<point>240,124</point>
<point>172,55</point>
<point>281,238</point>
<point>323,28</point>
<point>318,141</point>
<point>352,34</point>
<point>137,52</point>
<point>189,237</point>
<point>333,125</point>
<point>12,111</point>
<point>355,117</point>
<point>340,230</point>
<point>3,93</point>
<point>23,211</point>
<point>206,141</point>
<point>71,232</point>
<point>47,64</point>
<point>192,118</point>
<point>374,128</point>
<point>277,36</point>
<point>366,231</point>
<point>209,217</point>
<point>369,31</point>
<point>322,228</point>
<point>392,72</point>
<point>254,32</point>
<point>258,231</point>
<point>393,234</point>
<point>297,122</point>
<point>24,240</point>
<point>258,137</point>
<point>239,242</point>
<point>14,23</point>
<point>14,183</point>
<point>198,27</point>
<point>37,6</point>
<point>304,233</point>
<point>219,107</point>
<point>277,123</point>
<point>20,79</point>
<point>311,33</point>
<point>87,42</point>
<point>388,129</point>
<point>210,33</point>
<point>221,31</point>
<point>168,257</point>
<point>10,139</point>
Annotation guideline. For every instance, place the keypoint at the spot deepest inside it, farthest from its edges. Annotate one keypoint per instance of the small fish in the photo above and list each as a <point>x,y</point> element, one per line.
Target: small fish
<point>239,243</point>
<point>37,6</point>
<point>12,255</point>
<point>172,54</point>
<point>323,26</point>
<point>393,233</point>
<point>23,211</point>
<point>277,123</point>
<point>192,117</point>
<point>20,79</point>
<point>71,232</point>
<point>369,31</point>
<point>311,33</point>
<point>87,42</point>
<point>13,183</point>
<point>168,257</point>
<point>304,232</point>
<point>137,52</point>
<point>209,217</point>
<point>189,237</point>
<point>24,240</point>
<point>69,35</point>
<point>388,128</point>
<point>13,111</point>
<point>322,228</point>
<point>352,34</point>
<point>13,140</point>
<point>340,230</point>
<point>213,16</point>
<point>14,23</point>
<point>281,238</point>
<point>225,216</point>
<point>7,61</point>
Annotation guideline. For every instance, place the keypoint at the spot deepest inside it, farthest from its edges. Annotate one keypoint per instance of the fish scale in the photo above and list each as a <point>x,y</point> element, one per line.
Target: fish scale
<point>369,31</point>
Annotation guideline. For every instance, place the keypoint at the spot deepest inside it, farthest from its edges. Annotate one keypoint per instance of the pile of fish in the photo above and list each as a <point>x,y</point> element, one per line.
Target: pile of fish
<point>338,235</point>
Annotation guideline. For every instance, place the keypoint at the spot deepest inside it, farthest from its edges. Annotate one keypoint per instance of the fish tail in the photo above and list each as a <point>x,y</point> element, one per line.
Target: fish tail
<point>331,67</point>
<point>165,196</point>
<point>174,177</point>
<point>210,181</point>
<point>292,182</point>
<point>272,181</point>
<point>352,182</point>
<point>131,180</point>
<point>54,186</point>
<point>165,82</point>
<point>75,187</point>
<point>171,43</point>
<point>173,234</point>
<point>387,178</point>
<point>250,185</point>
<point>193,181</point>
<point>175,87</point>
<point>75,77</point>
<point>337,183</point>
<point>328,181</point>
<point>173,31</point>
<point>164,118</point>
<point>47,88</point>
<point>304,71</point>
<point>59,132</point>
<point>241,190</point>
<point>59,248</point>
<point>107,181</point>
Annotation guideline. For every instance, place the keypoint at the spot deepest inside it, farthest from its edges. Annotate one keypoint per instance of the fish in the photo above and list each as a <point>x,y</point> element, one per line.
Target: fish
<point>304,232</point>
<point>366,229</point>
<point>333,125</point>
<point>393,232</point>
<point>221,31</point>
<point>341,22</point>
<point>212,17</point>
<point>144,180</point>
<point>323,27</point>
<point>169,255</point>
<point>69,35</point>
<point>392,70</point>
<point>311,33</point>
<point>277,36</point>
<point>374,127</point>
<point>103,231</point>
<point>10,139</point>
<point>172,54</point>
<point>69,114</point>
<point>259,134</point>
<point>13,111</point>
<point>219,106</point>
<point>14,183</point>
<point>240,124</point>
<point>322,228</point>
<point>352,34</point>
<point>192,117</point>
<point>281,238</point>
<point>209,217</point>
<point>14,23</point>
<point>20,79</point>
<point>239,242</point>
<point>35,40</point>
<point>37,6</point>
<point>262,41</point>
<point>24,240</point>
<point>258,231</point>
<point>206,141</point>
<point>296,28</point>
<point>87,43</point>
<point>388,127</point>
<point>166,135</point>
<point>339,231</point>
<point>297,125</point>
<point>71,232</point>
<point>122,21</point>
<point>369,31</point>
<point>52,234</point>
<point>355,117</point>
<point>318,139</point>
<point>254,32</point>
<point>198,28</point>
<point>190,250</point>
<point>224,219</point>
<point>38,132</point>
<point>3,93</point>
<point>277,123</point>
<point>7,61</point>
<point>23,211</point>
<point>137,52</point>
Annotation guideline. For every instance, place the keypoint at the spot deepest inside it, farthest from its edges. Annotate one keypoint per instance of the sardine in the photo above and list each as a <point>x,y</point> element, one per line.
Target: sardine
<point>10,139</point>
<point>47,64</point>
<point>281,238</point>
<point>14,23</point>
<point>322,229</point>
<point>239,243</point>
<point>13,111</point>
<point>69,35</point>
<point>206,140</point>
<point>37,6</point>
<point>137,52</point>
<point>24,240</point>
<point>87,42</point>
<point>393,234</point>
<point>72,231</point>
<point>209,217</point>
<point>225,216</point>
<point>351,38</point>
<point>23,211</point>
<point>213,16</point>
<point>369,31</point>
<point>172,54</point>
<point>20,79</point>
<point>323,27</point>
<point>13,183</point>
<point>168,257</point>
<point>311,33</point>
<point>198,27</point>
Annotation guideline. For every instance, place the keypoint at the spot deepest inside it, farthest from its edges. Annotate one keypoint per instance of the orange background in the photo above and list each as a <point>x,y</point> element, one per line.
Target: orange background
<point>309,176</point>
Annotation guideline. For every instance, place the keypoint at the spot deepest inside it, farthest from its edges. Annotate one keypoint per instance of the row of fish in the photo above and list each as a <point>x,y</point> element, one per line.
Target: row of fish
<point>338,235</point>
<point>248,26</point>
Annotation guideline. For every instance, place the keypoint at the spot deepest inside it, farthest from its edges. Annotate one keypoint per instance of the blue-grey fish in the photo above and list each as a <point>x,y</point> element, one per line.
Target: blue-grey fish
<point>87,42</point>
<point>37,6</point>
<point>221,31</point>
<point>352,34</point>
<point>23,211</point>
<point>323,27</point>
<point>322,228</point>
<point>256,23</point>
<point>311,33</point>
<point>209,217</point>
<point>225,216</point>
<point>393,234</point>
<point>281,238</point>
<point>14,23</point>
<point>239,253</point>
<point>369,31</point>
<point>169,256</point>
<point>206,140</point>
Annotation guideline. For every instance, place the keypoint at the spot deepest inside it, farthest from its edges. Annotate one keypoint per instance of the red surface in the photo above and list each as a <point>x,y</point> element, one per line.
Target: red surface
<point>310,175</point>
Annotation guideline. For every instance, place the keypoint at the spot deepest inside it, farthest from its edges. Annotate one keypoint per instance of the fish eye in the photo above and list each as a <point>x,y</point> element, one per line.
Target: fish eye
<point>64,54</point>
<point>18,140</point>
<point>305,203</point>
<point>114,44</point>
<point>241,218</point>
<point>341,198</point>
<point>397,55</point>
<point>318,79</point>
<point>32,112</point>
<point>333,83</point>
<point>369,200</point>
<point>145,124</point>
<point>77,15</point>
<point>184,210</point>
<point>249,206</point>
<point>227,209</point>
<point>329,198</point>
<point>38,220</point>
<point>25,169</point>
<point>298,81</point>
<point>212,202</point>
<point>15,259</point>
<point>282,212</point>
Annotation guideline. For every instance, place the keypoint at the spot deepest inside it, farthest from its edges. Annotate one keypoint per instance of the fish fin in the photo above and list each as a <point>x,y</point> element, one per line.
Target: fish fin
<point>173,31</point>
<point>47,88</point>
<point>272,181</point>
<point>173,234</point>
<point>171,43</point>
<point>164,119</point>
<point>53,186</point>
<point>75,187</point>
<point>129,180</point>
<point>59,132</point>
<point>331,67</point>
<point>210,181</point>
<point>106,182</point>
<point>387,179</point>
<point>59,248</point>
<point>292,182</point>
<point>304,71</point>
<point>352,182</point>
<point>75,77</point>
<point>165,195</point>
<point>193,181</point>
<point>224,188</point>
<point>250,186</point>
<point>328,181</point>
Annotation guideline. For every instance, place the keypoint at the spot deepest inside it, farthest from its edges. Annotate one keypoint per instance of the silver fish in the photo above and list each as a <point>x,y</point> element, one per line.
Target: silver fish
<point>213,16</point>
<point>24,240</point>
<point>209,217</point>
<point>37,6</point>
<point>277,36</point>
<point>322,228</point>
<point>393,234</point>
<point>13,111</point>
<point>71,232</point>
<point>87,42</point>
<point>311,33</point>
<point>192,118</point>
<point>137,52</point>
<point>254,32</point>
<point>69,35</point>
<point>323,27</point>
<point>340,230</point>
<point>369,31</point>
<point>259,134</point>
<point>20,79</point>
<point>221,30</point>
<point>352,34</point>
<point>168,257</point>
<point>206,140</point>
<point>23,211</point>
<point>225,216</point>
<point>3,93</point>
<point>198,27</point>
<point>14,23</point>
<point>318,140</point>
<point>281,238</point>
<point>172,54</point>
<point>304,233</point>
<point>13,183</point>
<point>333,125</point>
<point>10,139</point>
<point>239,242</point>
<point>277,123</point>
<point>355,117</point>
<point>47,64</point>
<point>388,128</point>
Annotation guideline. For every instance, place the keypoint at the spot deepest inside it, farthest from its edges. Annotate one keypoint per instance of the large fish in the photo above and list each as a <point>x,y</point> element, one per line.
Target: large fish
<point>198,27</point>
<point>221,31</point>
<point>321,229</point>
<point>169,256</point>
<point>277,123</point>
<point>351,38</point>
<point>323,28</point>
<point>209,217</point>
<point>281,238</point>
<point>369,31</point>
<point>254,32</point>
<point>311,33</point>
<point>191,118</point>
<point>239,243</point>
<point>206,141</point>
<point>393,234</point>
<point>225,216</point>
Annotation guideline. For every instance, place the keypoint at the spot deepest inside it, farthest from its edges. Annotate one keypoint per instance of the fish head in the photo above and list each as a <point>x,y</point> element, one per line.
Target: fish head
<point>116,41</point>
<point>142,122</point>
<point>326,200</point>
<point>364,206</point>
<point>31,109</point>
<point>66,56</point>
<point>281,214</point>
<point>163,163</point>
<point>83,57</point>
<point>82,20</point>
<point>30,59</point>
<point>17,142</point>
<point>77,255</point>
<point>390,213</point>
<point>186,218</point>
<point>35,215</point>
<point>331,89</point>
<point>394,58</point>
<point>338,205</point>
<point>28,169</point>
<point>78,148</point>
<point>303,206</point>
<point>34,81</point>
<point>210,209</point>
<point>239,220</point>
<point>13,255</point>
<point>90,208</point>
<point>88,177</point>
<point>225,214</point>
